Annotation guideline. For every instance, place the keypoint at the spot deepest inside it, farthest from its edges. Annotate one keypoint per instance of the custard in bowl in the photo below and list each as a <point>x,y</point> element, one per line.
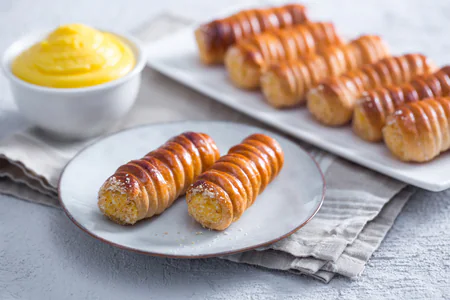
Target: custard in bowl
<point>75,81</point>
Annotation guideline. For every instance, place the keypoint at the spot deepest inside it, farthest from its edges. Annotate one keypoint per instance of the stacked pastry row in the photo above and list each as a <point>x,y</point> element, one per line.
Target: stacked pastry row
<point>295,61</point>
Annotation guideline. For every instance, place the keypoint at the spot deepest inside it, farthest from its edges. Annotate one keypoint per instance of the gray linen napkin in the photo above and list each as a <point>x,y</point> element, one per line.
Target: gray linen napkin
<point>359,209</point>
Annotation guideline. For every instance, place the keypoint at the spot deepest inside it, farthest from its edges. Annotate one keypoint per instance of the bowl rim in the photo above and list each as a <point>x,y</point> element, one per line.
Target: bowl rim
<point>15,48</point>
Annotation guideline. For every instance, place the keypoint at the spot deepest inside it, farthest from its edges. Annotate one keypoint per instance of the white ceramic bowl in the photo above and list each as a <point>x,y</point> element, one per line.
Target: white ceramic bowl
<point>74,113</point>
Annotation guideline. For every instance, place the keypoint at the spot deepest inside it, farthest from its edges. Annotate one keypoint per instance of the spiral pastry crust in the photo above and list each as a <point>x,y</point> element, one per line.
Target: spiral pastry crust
<point>332,101</point>
<point>146,187</point>
<point>286,83</point>
<point>247,59</point>
<point>419,131</point>
<point>214,38</point>
<point>375,106</point>
<point>222,193</point>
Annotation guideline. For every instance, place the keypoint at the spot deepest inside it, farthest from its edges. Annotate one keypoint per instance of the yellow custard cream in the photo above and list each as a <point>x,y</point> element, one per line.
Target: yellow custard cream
<point>74,56</point>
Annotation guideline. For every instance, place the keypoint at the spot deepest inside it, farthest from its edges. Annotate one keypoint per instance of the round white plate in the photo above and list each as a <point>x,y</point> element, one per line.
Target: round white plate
<point>287,204</point>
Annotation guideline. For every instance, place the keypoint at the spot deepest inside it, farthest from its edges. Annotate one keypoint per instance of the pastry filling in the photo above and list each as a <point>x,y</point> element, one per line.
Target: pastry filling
<point>117,206</point>
<point>205,208</point>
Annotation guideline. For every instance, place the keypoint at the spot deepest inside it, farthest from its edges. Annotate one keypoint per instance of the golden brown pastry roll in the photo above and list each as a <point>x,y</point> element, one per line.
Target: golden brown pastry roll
<point>375,106</point>
<point>333,100</point>
<point>246,60</point>
<point>222,193</point>
<point>286,83</point>
<point>214,38</point>
<point>419,131</point>
<point>146,187</point>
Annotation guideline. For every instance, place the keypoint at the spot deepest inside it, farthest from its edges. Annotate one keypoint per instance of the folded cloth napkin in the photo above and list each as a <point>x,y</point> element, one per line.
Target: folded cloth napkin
<point>359,209</point>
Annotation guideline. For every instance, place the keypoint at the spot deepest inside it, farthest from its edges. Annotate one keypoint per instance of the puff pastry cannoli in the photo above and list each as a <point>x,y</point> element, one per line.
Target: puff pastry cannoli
<point>419,131</point>
<point>214,38</point>
<point>286,83</point>
<point>247,59</point>
<point>333,100</point>
<point>375,106</point>
<point>146,187</point>
<point>222,193</point>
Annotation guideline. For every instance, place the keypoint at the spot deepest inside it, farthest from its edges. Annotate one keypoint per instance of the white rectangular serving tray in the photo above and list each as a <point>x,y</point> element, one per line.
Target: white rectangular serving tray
<point>176,56</point>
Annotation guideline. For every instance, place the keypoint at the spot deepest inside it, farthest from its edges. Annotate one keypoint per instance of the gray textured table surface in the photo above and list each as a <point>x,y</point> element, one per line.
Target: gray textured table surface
<point>44,256</point>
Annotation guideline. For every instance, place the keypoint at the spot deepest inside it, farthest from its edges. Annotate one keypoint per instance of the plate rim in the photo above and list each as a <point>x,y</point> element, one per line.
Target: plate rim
<point>167,255</point>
